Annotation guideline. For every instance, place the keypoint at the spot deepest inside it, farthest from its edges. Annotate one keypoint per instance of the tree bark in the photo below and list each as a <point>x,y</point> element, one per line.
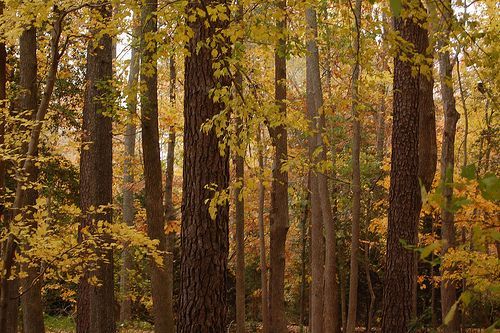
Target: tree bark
<point>204,241</point>
<point>31,301</point>
<point>314,102</point>
<point>262,239</point>
<point>152,163</point>
<point>279,188</point>
<point>95,303</point>
<point>356,177</point>
<point>451,116</point>
<point>128,175</point>
<point>404,193</point>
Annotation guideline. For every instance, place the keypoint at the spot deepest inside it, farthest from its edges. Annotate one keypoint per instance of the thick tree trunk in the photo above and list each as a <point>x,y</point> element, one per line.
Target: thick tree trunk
<point>262,239</point>
<point>279,191</point>
<point>448,290</point>
<point>95,303</point>
<point>204,241</point>
<point>404,193</point>
<point>31,301</point>
<point>314,102</point>
<point>356,178</point>
<point>128,176</point>
<point>152,163</point>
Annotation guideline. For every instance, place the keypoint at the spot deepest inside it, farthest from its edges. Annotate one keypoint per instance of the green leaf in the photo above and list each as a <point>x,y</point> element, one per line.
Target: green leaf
<point>490,187</point>
<point>469,171</point>
<point>396,7</point>
<point>493,327</point>
<point>426,251</point>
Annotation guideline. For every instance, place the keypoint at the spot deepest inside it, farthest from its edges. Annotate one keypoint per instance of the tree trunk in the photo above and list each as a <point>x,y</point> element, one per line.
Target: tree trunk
<point>448,290</point>
<point>404,193</point>
<point>204,241</point>
<point>152,164</point>
<point>128,175</point>
<point>31,301</point>
<point>239,161</point>
<point>169,205</point>
<point>27,168</point>
<point>95,303</point>
<point>3,96</point>
<point>262,239</point>
<point>314,102</point>
<point>279,189</point>
<point>356,178</point>
<point>303,253</point>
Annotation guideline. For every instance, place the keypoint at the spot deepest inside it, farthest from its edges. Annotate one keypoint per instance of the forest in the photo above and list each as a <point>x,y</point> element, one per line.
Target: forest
<point>213,166</point>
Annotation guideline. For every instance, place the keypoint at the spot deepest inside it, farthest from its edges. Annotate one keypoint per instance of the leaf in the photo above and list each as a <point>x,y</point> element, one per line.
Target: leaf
<point>396,7</point>
<point>426,251</point>
<point>469,171</point>
<point>490,187</point>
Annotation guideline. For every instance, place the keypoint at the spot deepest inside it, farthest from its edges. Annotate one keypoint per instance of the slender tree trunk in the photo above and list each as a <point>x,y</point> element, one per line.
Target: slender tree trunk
<point>169,205</point>
<point>343,298</point>
<point>204,240</point>
<point>279,191</point>
<point>152,163</point>
<point>356,178</point>
<point>128,175</point>
<point>314,102</point>
<point>404,193</point>
<point>95,304</point>
<point>303,272</point>
<point>239,161</point>
<point>448,290</point>
<point>3,97</point>
<point>262,239</point>
<point>31,301</point>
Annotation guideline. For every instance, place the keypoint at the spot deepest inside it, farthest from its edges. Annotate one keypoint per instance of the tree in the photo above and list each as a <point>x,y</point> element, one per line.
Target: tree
<point>279,186</point>
<point>31,299</point>
<point>152,164</point>
<point>404,192</point>
<point>128,209</point>
<point>356,177</point>
<point>314,101</point>
<point>204,238</point>
<point>95,307</point>
<point>451,116</point>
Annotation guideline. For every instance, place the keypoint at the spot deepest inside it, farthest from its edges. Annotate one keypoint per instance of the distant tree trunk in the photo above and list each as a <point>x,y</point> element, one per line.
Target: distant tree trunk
<point>303,259</point>
<point>279,191</point>
<point>152,164</point>
<point>262,239</point>
<point>239,205</point>
<point>314,102</point>
<point>128,174</point>
<point>204,241</point>
<point>169,204</point>
<point>343,298</point>
<point>356,177</point>
<point>31,301</point>
<point>95,303</point>
<point>448,290</point>
<point>404,193</point>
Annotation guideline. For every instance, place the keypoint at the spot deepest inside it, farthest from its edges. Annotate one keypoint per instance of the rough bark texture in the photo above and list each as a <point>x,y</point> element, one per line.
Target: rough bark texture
<point>31,301</point>
<point>95,304</point>
<point>314,102</point>
<point>404,193</point>
<point>3,95</point>
<point>152,164</point>
<point>128,209</point>
<point>279,191</point>
<point>204,241</point>
<point>262,240</point>
<point>448,290</point>
<point>356,178</point>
